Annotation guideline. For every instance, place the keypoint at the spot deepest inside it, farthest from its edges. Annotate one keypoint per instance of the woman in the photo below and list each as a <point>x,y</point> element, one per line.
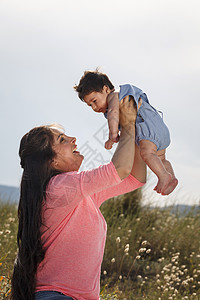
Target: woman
<point>62,232</point>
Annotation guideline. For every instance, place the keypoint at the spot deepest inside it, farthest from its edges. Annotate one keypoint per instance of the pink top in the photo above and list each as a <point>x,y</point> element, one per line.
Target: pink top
<point>74,230</point>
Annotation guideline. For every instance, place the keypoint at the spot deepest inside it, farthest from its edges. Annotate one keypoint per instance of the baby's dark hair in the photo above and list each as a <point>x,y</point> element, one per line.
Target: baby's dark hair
<point>92,81</point>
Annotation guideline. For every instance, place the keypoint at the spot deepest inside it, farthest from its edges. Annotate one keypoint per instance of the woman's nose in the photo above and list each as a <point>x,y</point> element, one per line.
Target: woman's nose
<point>73,140</point>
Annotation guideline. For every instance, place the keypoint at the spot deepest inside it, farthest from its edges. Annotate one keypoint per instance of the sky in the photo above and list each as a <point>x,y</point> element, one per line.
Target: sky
<point>46,45</point>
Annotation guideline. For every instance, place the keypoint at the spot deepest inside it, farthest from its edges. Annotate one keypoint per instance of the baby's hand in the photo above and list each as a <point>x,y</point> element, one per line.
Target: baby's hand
<point>109,143</point>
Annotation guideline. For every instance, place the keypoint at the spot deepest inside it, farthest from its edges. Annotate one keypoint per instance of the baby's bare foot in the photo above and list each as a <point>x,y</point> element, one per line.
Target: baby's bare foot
<point>163,183</point>
<point>170,187</point>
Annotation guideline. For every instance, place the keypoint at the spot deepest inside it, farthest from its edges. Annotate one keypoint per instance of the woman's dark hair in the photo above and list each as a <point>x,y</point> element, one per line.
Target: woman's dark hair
<point>92,81</point>
<point>36,155</point>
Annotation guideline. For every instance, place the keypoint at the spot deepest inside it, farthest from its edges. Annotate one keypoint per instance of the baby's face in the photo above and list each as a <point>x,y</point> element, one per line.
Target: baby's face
<point>98,100</point>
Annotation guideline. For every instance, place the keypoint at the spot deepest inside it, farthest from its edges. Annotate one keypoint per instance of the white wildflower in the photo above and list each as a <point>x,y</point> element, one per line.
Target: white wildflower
<point>118,239</point>
<point>144,243</point>
<point>142,250</point>
<point>139,277</point>
<point>183,266</point>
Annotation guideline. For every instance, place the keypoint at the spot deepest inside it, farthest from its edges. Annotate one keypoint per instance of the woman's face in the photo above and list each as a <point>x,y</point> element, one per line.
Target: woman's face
<point>67,159</point>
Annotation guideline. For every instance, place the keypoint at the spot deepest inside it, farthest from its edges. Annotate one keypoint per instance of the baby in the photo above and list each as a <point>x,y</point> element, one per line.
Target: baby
<point>152,135</point>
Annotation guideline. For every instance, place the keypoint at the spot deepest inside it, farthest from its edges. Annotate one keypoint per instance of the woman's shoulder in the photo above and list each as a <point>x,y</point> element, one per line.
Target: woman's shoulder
<point>61,179</point>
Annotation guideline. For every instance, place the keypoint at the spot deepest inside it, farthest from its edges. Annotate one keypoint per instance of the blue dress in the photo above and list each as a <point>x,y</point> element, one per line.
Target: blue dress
<point>149,123</point>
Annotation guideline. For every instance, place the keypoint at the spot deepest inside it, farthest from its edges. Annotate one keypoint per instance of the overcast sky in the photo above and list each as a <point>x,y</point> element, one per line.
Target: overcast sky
<point>45,45</point>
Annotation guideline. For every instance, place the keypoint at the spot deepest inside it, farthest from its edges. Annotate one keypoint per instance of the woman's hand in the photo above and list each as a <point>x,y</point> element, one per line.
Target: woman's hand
<point>127,112</point>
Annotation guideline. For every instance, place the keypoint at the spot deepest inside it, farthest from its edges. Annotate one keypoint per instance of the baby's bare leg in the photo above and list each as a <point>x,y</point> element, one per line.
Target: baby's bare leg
<point>173,183</point>
<point>148,151</point>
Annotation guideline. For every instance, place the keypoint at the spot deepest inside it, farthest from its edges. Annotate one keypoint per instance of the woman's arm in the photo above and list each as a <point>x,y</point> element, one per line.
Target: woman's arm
<point>130,183</point>
<point>124,155</point>
<point>139,170</point>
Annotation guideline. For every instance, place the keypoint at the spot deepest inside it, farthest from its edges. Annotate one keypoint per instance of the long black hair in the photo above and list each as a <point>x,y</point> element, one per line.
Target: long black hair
<point>36,155</point>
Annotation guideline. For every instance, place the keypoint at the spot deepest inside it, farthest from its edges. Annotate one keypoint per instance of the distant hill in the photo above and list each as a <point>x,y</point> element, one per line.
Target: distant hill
<point>9,193</point>
<point>182,209</point>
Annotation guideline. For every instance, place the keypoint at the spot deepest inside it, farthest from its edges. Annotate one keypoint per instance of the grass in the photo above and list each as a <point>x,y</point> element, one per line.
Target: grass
<point>149,254</point>
<point>8,247</point>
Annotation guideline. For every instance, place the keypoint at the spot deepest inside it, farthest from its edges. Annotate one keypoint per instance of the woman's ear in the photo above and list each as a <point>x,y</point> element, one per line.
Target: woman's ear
<point>54,163</point>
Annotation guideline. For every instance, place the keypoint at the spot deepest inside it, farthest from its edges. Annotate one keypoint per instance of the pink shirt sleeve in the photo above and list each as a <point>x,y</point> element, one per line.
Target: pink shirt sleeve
<point>125,186</point>
<point>68,189</point>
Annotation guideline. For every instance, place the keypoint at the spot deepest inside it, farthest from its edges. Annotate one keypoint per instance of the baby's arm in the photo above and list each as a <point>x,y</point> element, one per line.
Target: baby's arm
<point>113,119</point>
